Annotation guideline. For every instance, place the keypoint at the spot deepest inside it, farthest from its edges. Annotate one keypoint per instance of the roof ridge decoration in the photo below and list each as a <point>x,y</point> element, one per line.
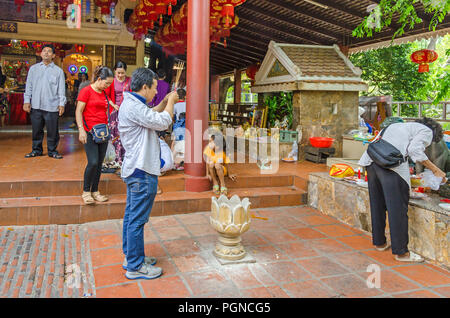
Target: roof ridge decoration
<point>292,65</point>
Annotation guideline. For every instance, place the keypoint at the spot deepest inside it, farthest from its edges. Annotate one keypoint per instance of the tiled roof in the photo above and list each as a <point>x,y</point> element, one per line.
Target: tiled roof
<point>318,61</point>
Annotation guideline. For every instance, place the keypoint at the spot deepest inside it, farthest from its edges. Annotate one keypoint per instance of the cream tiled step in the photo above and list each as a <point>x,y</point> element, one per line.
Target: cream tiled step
<point>71,210</point>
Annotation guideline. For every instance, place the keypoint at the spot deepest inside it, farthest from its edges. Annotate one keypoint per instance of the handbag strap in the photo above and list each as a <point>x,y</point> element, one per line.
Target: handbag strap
<point>107,102</point>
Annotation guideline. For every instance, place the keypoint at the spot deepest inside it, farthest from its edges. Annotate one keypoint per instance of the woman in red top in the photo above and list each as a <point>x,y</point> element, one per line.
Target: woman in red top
<point>92,110</point>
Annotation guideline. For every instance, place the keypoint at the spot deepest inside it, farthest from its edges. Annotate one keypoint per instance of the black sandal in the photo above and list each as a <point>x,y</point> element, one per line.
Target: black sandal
<point>55,155</point>
<point>33,154</point>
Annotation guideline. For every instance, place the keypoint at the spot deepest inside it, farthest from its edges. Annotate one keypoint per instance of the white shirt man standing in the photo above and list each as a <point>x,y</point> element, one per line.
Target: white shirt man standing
<point>138,126</point>
<point>44,99</point>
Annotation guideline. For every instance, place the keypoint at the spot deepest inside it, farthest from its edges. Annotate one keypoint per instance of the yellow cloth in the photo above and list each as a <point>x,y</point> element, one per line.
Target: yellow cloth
<point>217,158</point>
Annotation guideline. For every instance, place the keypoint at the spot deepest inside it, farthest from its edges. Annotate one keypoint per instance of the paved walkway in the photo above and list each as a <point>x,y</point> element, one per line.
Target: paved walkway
<point>299,252</point>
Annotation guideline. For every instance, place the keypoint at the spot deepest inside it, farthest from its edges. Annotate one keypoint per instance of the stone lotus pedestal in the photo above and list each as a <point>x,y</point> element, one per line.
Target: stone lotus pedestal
<point>230,218</point>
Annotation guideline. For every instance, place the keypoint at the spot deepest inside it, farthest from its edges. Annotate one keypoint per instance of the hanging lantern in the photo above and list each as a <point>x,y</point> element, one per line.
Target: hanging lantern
<point>226,8</point>
<point>251,71</point>
<point>423,57</point>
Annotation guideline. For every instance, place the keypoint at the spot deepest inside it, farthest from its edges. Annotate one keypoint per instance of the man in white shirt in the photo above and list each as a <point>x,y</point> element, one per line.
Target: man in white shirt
<point>44,99</point>
<point>138,126</point>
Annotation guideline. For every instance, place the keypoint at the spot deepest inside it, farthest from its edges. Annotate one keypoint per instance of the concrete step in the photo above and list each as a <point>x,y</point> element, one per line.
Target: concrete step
<point>112,184</point>
<point>72,210</point>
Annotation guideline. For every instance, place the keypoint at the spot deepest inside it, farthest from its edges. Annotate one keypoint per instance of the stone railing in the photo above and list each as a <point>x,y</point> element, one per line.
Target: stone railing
<point>429,225</point>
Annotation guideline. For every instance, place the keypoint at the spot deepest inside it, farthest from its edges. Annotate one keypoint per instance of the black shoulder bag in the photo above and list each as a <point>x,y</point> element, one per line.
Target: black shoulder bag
<point>385,154</point>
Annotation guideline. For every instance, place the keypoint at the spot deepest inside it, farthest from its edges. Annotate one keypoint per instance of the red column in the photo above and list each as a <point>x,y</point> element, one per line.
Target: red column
<point>197,94</point>
<point>237,86</point>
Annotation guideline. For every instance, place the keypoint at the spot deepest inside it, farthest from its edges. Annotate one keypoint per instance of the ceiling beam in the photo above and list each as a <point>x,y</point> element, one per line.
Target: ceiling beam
<point>237,56</point>
<point>221,64</point>
<point>251,41</point>
<point>296,23</point>
<point>318,17</point>
<point>237,48</point>
<point>254,49</point>
<point>280,29</point>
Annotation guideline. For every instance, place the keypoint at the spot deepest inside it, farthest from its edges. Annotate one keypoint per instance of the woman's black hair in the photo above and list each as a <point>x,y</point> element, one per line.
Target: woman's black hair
<point>434,126</point>
<point>102,72</point>
<point>120,64</point>
<point>161,73</point>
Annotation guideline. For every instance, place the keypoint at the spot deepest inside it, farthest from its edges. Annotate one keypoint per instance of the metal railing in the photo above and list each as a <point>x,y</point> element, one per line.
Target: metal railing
<point>440,111</point>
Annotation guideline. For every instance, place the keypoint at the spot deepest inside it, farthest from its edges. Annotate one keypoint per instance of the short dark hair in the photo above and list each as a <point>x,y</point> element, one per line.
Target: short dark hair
<point>120,64</point>
<point>181,93</point>
<point>434,126</point>
<point>50,46</point>
<point>102,72</point>
<point>81,74</point>
<point>220,141</point>
<point>161,73</point>
<point>140,77</point>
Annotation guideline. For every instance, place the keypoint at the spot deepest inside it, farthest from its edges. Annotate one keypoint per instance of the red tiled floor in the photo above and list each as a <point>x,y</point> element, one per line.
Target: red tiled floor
<point>385,258</point>
<point>181,247</point>
<point>107,256</point>
<point>390,282</point>
<point>308,289</point>
<point>350,286</point>
<point>444,291</point>
<point>279,236</point>
<point>189,263</point>
<point>297,249</point>
<point>102,241</point>
<point>109,275</point>
<point>155,250</point>
<point>207,282</point>
<point>313,220</point>
<point>424,275</point>
<point>172,233</point>
<point>306,233</point>
<point>165,287</point>
<point>266,253</point>
<point>355,261</point>
<point>334,230</point>
<point>158,222</point>
<point>328,246</point>
<point>287,222</point>
<point>241,276</point>
<point>251,238</point>
<point>286,271</point>
<point>121,291</point>
<point>261,274</point>
<point>417,294</point>
<point>322,266</point>
<point>357,242</point>
<point>264,292</point>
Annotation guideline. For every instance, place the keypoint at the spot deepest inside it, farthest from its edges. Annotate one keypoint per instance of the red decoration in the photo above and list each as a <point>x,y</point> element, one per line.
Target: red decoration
<point>19,4</point>
<point>423,57</point>
<point>251,71</point>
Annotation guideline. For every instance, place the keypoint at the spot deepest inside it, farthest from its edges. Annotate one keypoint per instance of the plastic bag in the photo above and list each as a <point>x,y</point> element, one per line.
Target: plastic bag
<point>341,170</point>
<point>110,153</point>
<point>430,180</point>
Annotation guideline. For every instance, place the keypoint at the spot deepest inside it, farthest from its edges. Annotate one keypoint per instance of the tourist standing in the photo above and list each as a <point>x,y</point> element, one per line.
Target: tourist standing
<point>163,88</point>
<point>389,187</point>
<point>138,126</point>
<point>44,99</point>
<point>92,110</point>
<point>120,84</point>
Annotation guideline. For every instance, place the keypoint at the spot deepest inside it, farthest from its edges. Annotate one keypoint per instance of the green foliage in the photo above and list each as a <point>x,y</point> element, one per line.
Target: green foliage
<point>279,106</point>
<point>389,71</point>
<point>382,16</point>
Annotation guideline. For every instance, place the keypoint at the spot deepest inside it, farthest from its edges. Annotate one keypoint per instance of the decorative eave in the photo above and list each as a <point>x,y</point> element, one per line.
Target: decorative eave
<point>398,41</point>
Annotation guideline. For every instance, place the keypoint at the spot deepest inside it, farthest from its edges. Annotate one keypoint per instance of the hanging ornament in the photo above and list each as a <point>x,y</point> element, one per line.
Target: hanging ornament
<point>73,69</point>
<point>423,57</point>
<point>19,4</point>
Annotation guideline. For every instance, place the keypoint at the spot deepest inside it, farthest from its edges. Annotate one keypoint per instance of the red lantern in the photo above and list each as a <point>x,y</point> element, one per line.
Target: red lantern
<point>251,71</point>
<point>226,8</point>
<point>423,57</point>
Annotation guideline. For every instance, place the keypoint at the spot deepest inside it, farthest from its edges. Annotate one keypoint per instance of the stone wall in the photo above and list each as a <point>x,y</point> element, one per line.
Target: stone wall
<point>314,111</point>
<point>429,225</point>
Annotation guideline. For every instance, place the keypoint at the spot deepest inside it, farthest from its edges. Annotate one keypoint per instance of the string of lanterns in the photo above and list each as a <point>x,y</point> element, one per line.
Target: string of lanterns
<point>173,36</point>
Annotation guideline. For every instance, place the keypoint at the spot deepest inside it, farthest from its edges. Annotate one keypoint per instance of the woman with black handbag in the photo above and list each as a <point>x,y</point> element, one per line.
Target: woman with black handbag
<point>92,115</point>
<point>389,182</point>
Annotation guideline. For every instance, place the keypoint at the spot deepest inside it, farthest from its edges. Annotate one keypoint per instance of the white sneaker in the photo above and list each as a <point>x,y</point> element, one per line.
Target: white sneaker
<point>413,257</point>
<point>145,272</point>
<point>147,260</point>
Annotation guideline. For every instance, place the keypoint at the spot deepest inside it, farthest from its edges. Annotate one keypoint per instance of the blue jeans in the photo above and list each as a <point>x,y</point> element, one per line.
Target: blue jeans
<point>141,194</point>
